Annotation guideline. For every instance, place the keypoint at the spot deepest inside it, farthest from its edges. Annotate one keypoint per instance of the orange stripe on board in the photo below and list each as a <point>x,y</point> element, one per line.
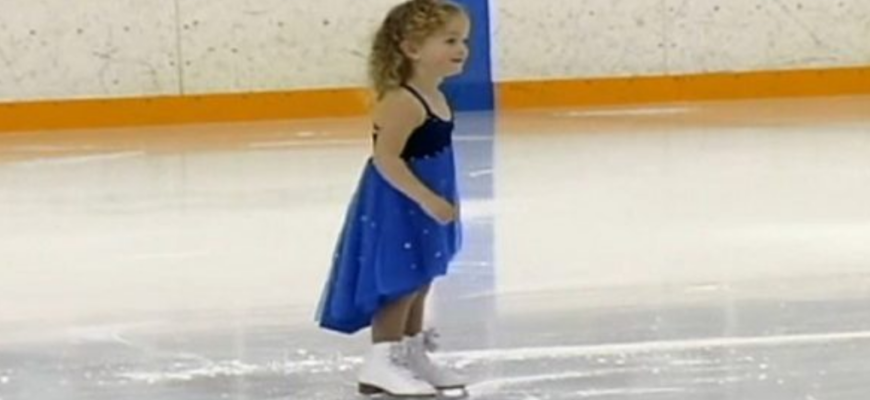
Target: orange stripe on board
<point>332,103</point>
<point>730,86</point>
<point>172,110</point>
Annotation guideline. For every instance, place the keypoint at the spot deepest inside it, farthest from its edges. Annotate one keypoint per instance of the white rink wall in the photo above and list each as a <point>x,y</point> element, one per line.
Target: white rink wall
<point>556,39</point>
<point>50,49</point>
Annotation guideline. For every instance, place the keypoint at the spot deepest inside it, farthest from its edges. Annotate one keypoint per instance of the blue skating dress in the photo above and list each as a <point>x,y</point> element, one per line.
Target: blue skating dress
<point>389,247</point>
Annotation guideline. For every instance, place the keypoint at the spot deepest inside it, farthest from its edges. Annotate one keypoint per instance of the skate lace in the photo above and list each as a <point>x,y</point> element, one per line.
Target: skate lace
<point>430,340</point>
<point>398,356</point>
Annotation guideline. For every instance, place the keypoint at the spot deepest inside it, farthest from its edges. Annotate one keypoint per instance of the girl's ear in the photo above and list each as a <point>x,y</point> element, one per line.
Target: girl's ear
<point>410,50</point>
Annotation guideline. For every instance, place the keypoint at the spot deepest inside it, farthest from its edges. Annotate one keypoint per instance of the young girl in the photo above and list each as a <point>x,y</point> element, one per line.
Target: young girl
<point>402,227</point>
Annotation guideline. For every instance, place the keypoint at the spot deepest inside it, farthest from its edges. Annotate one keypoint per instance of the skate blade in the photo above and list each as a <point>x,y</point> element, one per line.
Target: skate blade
<point>456,392</point>
<point>369,390</point>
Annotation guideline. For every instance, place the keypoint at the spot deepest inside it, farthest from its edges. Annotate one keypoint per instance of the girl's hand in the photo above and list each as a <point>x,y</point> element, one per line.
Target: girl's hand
<point>441,210</point>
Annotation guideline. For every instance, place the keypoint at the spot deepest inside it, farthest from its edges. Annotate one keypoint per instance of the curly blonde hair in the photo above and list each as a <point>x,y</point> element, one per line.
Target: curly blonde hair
<point>413,21</point>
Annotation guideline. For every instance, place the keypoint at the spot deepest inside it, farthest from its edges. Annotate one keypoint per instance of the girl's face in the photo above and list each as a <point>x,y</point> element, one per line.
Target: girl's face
<point>443,53</point>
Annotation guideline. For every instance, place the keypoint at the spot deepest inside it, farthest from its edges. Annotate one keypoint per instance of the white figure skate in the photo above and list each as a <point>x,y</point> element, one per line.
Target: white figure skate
<point>386,372</point>
<point>419,361</point>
